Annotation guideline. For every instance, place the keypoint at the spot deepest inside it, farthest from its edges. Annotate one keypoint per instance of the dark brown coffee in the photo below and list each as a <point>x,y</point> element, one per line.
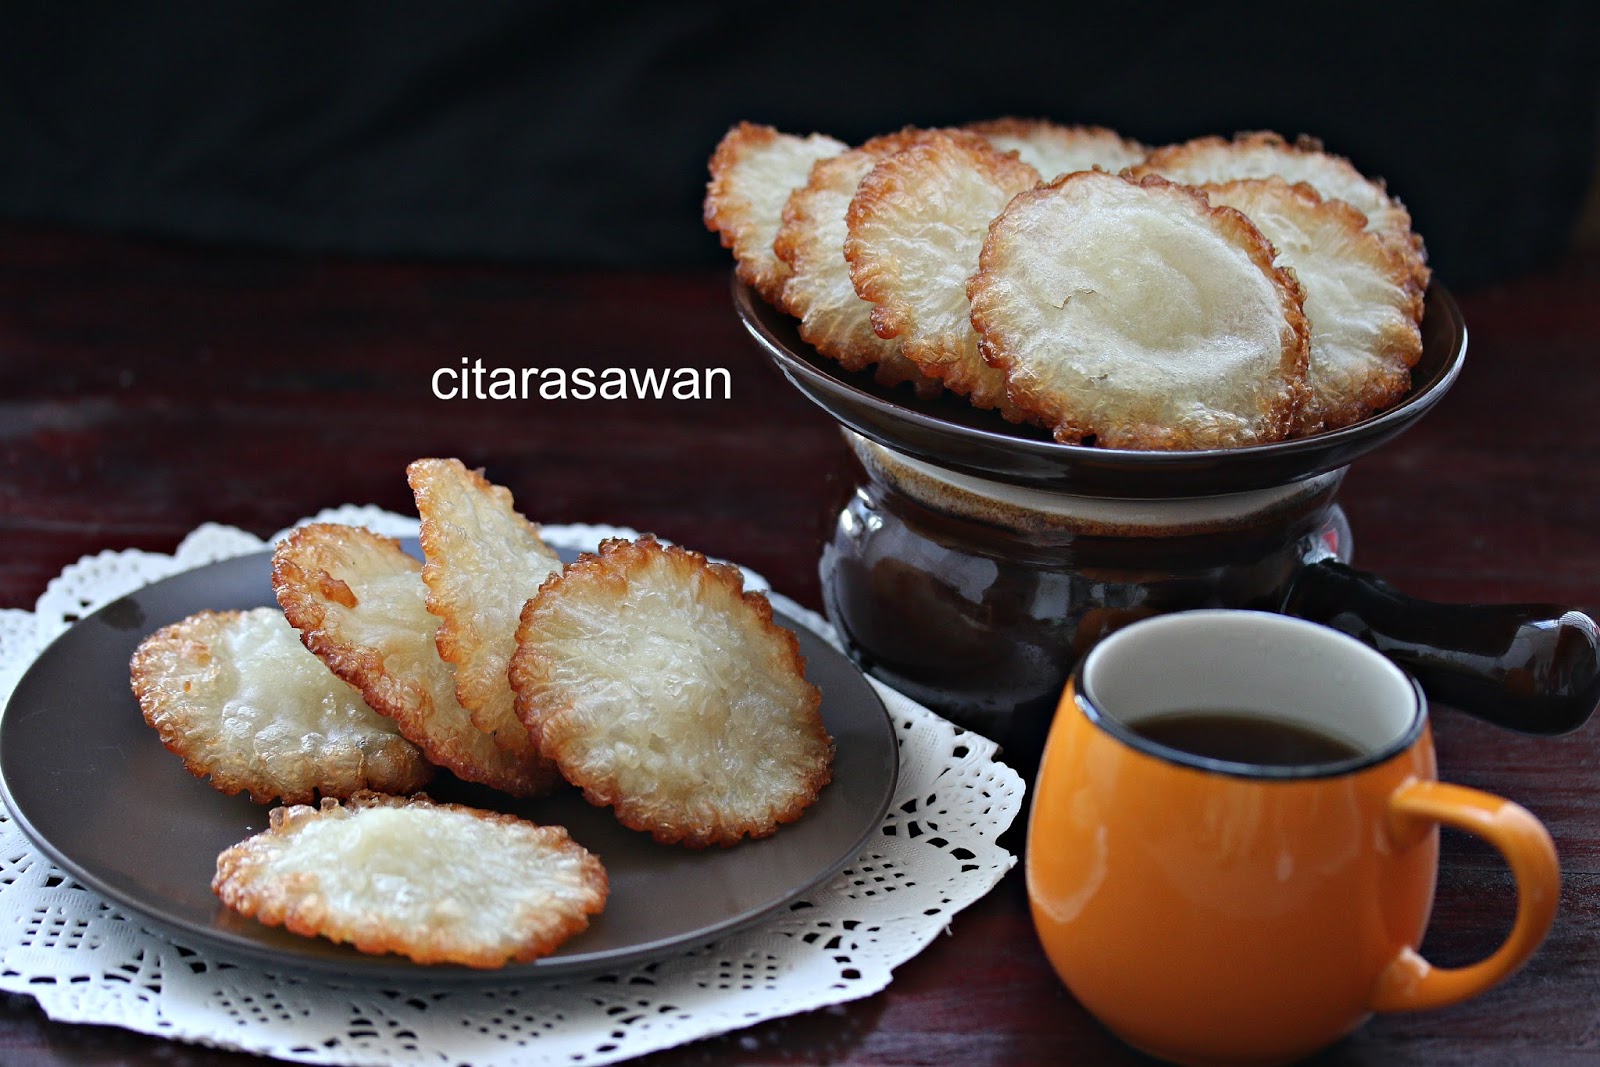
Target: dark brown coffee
<point>1243,738</point>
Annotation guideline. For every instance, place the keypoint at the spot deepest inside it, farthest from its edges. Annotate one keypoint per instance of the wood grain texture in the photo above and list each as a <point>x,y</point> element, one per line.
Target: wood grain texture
<point>147,387</point>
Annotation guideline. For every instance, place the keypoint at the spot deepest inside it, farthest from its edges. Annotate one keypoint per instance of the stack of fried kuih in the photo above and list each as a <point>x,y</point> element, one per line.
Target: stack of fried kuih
<point>642,673</point>
<point>1211,294</point>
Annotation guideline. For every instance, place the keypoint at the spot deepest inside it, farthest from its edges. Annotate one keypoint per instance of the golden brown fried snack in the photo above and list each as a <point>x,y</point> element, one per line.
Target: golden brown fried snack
<point>360,605</point>
<point>440,883</point>
<point>667,692</point>
<point>1263,154</point>
<point>1054,150</point>
<point>1360,300</point>
<point>753,171</point>
<point>236,696</point>
<point>833,319</point>
<point>484,560</point>
<point>1137,314</point>
<point>916,225</point>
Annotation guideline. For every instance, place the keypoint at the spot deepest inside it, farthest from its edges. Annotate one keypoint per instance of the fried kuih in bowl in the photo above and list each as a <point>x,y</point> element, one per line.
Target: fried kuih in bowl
<point>753,171</point>
<point>1106,311</point>
<point>1361,299</point>
<point>1207,161</point>
<point>1167,326</point>
<point>915,227</point>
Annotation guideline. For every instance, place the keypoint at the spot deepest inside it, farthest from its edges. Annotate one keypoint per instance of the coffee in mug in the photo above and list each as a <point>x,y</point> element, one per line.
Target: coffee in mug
<point>1244,738</point>
<point>1234,840</point>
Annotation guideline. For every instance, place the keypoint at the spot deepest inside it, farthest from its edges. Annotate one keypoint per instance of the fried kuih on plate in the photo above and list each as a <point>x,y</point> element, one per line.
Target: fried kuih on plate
<point>240,700</point>
<point>667,692</point>
<point>358,600</point>
<point>1136,314</point>
<point>439,883</point>
<point>484,560</point>
<point>915,227</point>
<point>753,170</point>
<point>1054,149</point>
<point>1263,154</point>
<point>1361,299</point>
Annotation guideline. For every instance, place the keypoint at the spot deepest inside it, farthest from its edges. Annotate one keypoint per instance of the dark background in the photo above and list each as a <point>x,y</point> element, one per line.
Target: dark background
<point>576,134</point>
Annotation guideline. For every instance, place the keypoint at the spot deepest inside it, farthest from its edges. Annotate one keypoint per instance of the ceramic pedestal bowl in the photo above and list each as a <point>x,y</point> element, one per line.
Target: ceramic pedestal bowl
<point>976,562</point>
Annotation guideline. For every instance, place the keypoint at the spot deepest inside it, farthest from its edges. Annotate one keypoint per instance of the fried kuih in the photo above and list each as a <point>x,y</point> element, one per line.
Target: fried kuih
<point>1136,314</point>
<point>236,696</point>
<point>901,229</point>
<point>439,883</point>
<point>1053,149</point>
<point>359,603</point>
<point>484,560</point>
<point>916,225</point>
<point>753,170</point>
<point>833,319</point>
<point>1361,301</point>
<point>668,693</point>
<point>1263,154</point>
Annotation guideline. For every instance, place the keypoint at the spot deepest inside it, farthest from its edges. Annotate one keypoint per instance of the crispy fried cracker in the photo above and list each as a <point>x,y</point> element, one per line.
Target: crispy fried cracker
<point>833,318</point>
<point>753,171</point>
<point>440,883</point>
<point>1360,300</point>
<point>1053,149</point>
<point>1263,154</point>
<point>667,692</point>
<point>916,225</point>
<point>484,560</point>
<point>236,696</point>
<point>360,605</point>
<point>1137,314</point>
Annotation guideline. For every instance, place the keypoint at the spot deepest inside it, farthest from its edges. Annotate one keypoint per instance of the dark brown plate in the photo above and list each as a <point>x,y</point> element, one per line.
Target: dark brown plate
<point>950,433</point>
<point>92,786</point>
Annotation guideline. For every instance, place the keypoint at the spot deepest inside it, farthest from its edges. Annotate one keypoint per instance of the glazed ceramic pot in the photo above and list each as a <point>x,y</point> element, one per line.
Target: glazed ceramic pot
<point>976,562</point>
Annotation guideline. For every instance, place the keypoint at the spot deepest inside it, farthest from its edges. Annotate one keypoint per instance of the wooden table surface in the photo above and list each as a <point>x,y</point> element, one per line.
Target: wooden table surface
<point>147,387</point>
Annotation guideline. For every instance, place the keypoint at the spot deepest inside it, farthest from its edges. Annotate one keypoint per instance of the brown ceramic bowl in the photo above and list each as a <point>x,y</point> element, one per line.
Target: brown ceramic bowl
<point>951,434</point>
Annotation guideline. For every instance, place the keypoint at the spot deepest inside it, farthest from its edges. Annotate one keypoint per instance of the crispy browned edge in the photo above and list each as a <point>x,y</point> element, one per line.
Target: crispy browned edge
<point>449,637</point>
<point>895,178</point>
<point>729,222</point>
<point>278,905</point>
<point>1228,222</point>
<point>363,667</point>
<point>1403,343</point>
<point>790,248</point>
<point>142,676</point>
<point>612,566</point>
<point>1028,127</point>
<point>1404,242</point>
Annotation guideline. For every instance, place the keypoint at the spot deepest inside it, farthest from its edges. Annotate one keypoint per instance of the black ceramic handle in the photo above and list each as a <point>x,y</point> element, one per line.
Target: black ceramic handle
<point>1529,667</point>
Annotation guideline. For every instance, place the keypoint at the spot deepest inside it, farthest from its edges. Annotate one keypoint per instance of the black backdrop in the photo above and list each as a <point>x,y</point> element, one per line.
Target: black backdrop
<point>572,133</point>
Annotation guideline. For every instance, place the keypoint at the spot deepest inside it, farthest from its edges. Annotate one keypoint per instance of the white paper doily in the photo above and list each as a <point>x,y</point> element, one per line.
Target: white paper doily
<point>86,961</point>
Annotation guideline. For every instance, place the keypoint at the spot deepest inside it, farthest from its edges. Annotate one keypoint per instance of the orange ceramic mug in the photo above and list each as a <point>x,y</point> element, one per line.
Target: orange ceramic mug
<point>1214,911</point>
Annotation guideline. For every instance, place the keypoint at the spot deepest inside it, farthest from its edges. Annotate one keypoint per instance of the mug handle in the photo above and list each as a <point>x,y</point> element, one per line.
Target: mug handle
<point>1411,983</point>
